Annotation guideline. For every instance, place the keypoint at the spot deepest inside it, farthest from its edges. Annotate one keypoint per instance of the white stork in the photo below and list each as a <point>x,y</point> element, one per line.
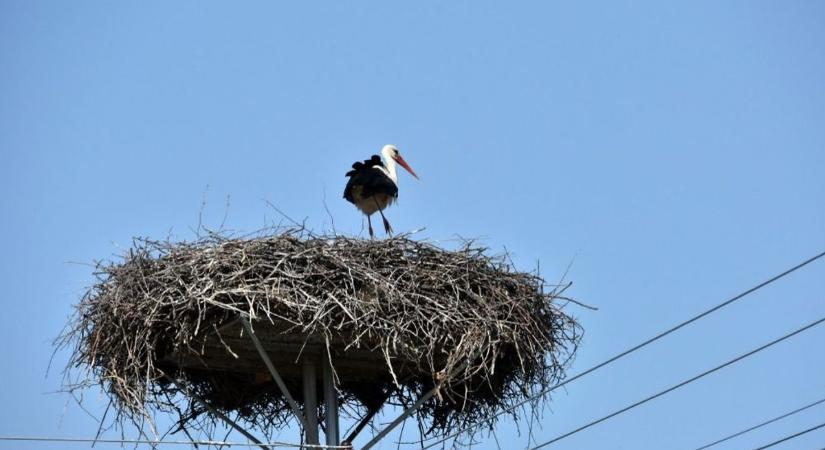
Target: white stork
<point>373,185</point>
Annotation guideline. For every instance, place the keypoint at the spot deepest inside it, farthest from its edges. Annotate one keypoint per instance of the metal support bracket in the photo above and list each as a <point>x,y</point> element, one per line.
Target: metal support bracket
<point>371,412</point>
<point>310,402</point>
<point>330,402</point>
<point>275,375</point>
<point>412,409</point>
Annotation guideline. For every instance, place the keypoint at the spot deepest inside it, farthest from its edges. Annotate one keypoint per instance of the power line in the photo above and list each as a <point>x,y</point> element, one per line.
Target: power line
<point>788,438</point>
<point>154,443</point>
<point>677,386</point>
<point>639,346</point>
<point>767,422</point>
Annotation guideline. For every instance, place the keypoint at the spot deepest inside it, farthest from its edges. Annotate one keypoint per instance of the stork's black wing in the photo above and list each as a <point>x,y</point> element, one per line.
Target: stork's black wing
<point>375,160</point>
<point>368,180</point>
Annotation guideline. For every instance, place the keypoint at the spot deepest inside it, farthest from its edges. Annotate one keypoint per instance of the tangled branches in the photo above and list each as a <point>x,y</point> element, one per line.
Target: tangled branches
<point>398,317</point>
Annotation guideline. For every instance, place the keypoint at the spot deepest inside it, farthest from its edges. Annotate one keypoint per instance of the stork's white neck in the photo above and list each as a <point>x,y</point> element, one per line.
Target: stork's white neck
<point>389,164</point>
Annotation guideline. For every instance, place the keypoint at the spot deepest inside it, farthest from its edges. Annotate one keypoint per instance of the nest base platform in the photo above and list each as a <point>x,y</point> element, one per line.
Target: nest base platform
<point>230,349</point>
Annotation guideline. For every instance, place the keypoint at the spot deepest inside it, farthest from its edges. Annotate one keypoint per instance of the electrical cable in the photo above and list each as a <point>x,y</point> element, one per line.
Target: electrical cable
<point>154,443</point>
<point>677,386</point>
<point>788,438</point>
<point>638,346</point>
<point>767,422</point>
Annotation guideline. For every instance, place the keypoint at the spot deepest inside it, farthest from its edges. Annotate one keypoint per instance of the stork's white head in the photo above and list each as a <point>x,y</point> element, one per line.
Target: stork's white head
<point>391,153</point>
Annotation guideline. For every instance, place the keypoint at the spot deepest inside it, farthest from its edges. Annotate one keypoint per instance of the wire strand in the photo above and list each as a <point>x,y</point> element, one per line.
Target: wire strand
<point>677,386</point>
<point>154,443</point>
<point>788,438</point>
<point>639,346</point>
<point>767,422</point>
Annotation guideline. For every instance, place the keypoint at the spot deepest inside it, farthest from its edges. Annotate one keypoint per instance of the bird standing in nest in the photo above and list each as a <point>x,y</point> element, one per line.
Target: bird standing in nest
<point>373,184</point>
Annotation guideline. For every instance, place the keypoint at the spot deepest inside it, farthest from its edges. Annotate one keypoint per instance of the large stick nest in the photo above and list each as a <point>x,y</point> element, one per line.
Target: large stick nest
<point>397,316</point>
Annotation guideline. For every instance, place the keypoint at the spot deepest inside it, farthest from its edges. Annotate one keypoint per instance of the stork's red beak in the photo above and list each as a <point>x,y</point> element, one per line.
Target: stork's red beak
<point>406,166</point>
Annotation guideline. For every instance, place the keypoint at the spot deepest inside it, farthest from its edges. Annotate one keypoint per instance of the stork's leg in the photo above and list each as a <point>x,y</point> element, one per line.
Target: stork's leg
<point>369,224</point>
<point>387,227</point>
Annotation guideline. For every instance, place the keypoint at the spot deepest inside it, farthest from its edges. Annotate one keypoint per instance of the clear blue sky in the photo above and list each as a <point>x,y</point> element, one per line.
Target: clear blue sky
<point>675,150</point>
